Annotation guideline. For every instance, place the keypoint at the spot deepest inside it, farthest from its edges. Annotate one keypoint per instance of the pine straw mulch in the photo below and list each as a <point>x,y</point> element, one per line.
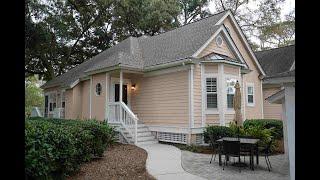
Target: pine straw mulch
<point>121,161</point>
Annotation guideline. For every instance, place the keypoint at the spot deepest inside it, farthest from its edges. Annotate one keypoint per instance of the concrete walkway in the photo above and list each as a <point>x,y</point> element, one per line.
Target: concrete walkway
<point>164,163</point>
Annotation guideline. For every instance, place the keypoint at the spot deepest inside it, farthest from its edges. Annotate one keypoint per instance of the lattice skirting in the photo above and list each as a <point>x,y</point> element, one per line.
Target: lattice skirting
<point>172,137</point>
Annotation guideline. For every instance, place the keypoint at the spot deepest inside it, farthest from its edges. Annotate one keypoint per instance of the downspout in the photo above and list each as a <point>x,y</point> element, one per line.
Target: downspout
<point>90,98</point>
<point>191,118</point>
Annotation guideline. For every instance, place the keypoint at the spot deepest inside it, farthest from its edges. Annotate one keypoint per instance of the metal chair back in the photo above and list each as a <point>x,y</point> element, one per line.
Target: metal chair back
<point>231,148</point>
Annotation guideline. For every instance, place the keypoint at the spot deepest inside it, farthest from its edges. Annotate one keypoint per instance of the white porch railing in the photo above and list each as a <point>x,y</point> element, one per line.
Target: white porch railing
<point>119,112</point>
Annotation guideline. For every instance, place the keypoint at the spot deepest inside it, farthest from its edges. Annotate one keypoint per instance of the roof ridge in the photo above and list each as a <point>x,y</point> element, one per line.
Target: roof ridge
<point>275,48</point>
<point>191,22</point>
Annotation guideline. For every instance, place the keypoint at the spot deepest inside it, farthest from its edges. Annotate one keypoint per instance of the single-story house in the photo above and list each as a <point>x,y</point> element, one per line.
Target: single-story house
<point>274,62</point>
<point>170,85</point>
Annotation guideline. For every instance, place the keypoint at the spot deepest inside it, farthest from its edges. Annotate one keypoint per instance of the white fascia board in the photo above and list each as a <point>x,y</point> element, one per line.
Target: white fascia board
<point>276,98</point>
<point>224,61</point>
<point>243,38</point>
<point>229,41</point>
<point>195,55</point>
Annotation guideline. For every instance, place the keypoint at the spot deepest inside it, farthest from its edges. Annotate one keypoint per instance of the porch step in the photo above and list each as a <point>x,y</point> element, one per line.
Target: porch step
<point>144,134</point>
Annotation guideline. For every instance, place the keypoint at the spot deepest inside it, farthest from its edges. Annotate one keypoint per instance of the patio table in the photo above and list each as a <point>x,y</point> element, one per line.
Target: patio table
<point>253,143</point>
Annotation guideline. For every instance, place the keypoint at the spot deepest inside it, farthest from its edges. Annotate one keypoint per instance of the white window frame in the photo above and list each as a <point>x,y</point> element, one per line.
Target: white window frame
<point>204,91</point>
<point>229,110</point>
<point>247,94</point>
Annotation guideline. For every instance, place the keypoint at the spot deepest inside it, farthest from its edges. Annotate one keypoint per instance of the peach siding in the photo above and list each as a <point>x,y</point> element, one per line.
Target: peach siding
<point>98,102</point>
<point>212,119</point>
<point>162,99</point>
<point>213,47</point>
<point>197,95</point>
<point>69,104</point>
<point>271,111</point>
<point>231,70</point>
<point>211,68</point>
<point>85,99</point>
<point>228,118</point>
<point>252,77</point>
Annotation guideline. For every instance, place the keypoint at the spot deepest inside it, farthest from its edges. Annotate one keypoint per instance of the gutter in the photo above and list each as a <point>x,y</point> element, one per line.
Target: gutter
<point>181,62</point>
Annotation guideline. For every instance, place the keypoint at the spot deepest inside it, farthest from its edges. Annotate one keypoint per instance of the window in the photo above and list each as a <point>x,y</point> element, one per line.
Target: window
<point>250,94</point>
<point>63,104</point>
<point>230,91</point>
<point>98,89</point>
<point>219,40</point>
<point>211,90</point>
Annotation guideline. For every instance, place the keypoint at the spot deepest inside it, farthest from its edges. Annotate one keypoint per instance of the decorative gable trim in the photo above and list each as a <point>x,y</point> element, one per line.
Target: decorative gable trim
<point>229,41</point>
<point>242,37</point>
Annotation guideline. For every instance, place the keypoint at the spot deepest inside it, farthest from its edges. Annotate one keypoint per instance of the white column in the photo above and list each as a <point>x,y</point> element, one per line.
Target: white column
<point>90,98</point>
<point>120,86</point>
<point>120,93</point>
<point>107,97</point>
<point>290,118</point>
<point>221,94</point>
<point>191,96</point>
<point>203,116</point>
<point>262,100</point>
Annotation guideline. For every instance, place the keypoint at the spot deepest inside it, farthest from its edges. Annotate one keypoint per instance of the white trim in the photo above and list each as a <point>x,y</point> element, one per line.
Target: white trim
<point>224,61</point>
<point>166,71</point>
<point>228,38</point>
<point>203,107</point>
<point>243,97</point>
<point>242,36</point>
<point>221,94</point>
<point>191,94</point>
<point>204,92</point>
<point>74,83</point>
<point>253,95</point>
<point>216,40</point>
<point>231,76</point>
<point>90,99</point>
<point>293,66</point>
<point>174,129</point>
<point>262,100</point>
<point>113,81</point>
<point>106,109</point>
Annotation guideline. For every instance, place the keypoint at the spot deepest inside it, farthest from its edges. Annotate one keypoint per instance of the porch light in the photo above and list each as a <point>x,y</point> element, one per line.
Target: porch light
<point>133,86</point>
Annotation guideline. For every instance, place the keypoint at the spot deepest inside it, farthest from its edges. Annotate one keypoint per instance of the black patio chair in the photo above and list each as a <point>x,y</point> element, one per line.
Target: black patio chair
<point>215,146</point>
<point>231,148</point>
<point>246,149</point>
<point>266,152</point>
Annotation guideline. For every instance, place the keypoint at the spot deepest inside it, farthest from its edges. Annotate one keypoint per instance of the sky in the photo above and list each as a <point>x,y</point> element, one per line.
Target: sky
<point>287,6</point>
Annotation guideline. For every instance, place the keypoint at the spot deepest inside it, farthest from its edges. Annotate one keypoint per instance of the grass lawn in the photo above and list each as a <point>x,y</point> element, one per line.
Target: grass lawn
<point>121,161</point>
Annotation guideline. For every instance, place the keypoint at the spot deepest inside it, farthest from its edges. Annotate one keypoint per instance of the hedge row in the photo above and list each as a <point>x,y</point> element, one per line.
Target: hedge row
<point>56,147</point>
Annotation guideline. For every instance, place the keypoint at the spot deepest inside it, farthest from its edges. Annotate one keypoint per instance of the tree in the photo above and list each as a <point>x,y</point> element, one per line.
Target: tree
<point>193,9</point>
<point>33,95</point>
<point>263,24</point>
<point>61,34</point>
<point>143,17</point>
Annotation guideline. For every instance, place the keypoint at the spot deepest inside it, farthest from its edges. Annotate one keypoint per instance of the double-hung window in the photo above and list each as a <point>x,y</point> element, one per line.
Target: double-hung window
<point>231,82</point>
<point>250,94</point>
<point>211,92</point>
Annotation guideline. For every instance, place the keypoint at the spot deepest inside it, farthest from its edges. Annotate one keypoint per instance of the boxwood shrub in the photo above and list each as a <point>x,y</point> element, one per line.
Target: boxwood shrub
<point>57,147</point>
<point>277,126</point>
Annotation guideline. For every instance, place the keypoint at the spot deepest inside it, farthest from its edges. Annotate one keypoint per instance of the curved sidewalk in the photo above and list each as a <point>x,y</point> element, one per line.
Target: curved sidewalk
<point>164,163</point>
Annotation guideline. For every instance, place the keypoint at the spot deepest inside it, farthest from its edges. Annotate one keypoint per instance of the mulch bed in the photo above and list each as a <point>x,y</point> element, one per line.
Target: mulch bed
<point>121,161</point>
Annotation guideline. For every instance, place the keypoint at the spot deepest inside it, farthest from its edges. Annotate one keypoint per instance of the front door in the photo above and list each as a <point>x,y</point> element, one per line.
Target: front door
<point>124,93</point>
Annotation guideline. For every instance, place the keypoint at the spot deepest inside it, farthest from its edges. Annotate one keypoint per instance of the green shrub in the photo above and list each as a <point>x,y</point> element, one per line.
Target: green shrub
<point>59,146</point>
<point>277,125</point>
<point>216,131</point>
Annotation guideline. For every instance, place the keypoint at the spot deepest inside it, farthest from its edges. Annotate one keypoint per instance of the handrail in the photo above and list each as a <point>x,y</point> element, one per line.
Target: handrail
<point>127,118</point>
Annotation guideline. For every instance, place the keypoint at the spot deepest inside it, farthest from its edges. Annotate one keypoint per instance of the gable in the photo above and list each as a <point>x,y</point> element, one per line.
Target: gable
<point>213,47</point>
<point>241,42</point>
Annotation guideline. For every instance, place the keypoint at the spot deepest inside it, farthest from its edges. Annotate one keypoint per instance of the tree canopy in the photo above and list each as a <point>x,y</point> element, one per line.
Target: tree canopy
<point>60,34</point>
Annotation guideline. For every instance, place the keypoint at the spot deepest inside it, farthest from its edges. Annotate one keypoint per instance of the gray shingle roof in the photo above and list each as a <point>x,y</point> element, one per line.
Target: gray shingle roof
<point>275,61</point>
<point>146,51</point>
